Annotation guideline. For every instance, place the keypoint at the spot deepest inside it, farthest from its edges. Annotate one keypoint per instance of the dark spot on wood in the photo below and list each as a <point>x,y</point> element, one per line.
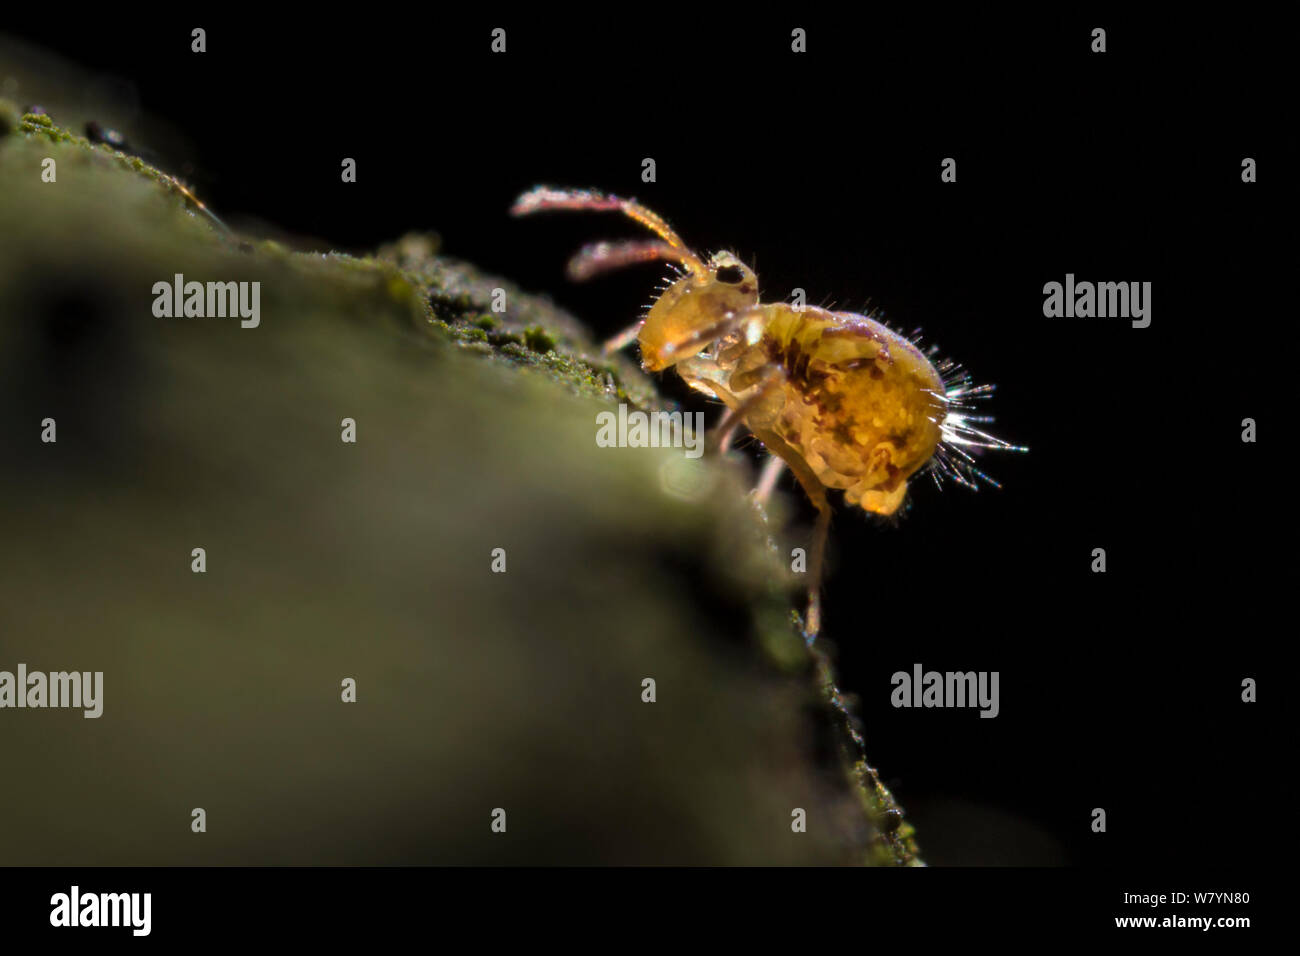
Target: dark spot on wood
<point>97,133</point>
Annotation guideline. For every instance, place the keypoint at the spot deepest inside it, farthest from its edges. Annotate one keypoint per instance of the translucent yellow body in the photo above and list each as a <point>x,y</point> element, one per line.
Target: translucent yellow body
<point>858,402</point>
<point>859,405</point>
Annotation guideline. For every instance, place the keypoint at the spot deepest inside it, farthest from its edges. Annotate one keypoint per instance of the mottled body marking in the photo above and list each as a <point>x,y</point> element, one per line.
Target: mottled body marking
<point>859,402</point>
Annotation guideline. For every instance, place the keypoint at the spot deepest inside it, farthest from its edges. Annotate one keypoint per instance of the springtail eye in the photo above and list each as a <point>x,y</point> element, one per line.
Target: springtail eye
<point>731,275</point>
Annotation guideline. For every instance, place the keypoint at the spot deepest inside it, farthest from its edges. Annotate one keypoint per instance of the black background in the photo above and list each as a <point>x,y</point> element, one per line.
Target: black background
<point>1119,690</point>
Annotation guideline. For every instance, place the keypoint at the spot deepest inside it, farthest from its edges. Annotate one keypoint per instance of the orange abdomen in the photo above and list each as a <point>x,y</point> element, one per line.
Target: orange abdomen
<point>861,403</point>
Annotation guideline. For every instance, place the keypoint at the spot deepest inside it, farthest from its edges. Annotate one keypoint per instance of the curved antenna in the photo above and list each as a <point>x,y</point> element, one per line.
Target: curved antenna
<point>544,198</point>
<point>597,257</point>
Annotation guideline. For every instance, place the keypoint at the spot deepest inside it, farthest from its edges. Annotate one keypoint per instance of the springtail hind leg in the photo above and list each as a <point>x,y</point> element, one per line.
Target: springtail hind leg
<point>813,618</point>
<point>762,492</point>
<point>816,492</point>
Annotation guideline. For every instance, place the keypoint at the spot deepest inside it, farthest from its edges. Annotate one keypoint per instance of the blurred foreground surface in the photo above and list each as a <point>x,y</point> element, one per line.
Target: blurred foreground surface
<point>328,560</point>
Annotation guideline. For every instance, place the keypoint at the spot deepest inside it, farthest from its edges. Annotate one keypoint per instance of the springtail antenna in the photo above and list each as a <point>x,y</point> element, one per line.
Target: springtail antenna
<point>544,198</point>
